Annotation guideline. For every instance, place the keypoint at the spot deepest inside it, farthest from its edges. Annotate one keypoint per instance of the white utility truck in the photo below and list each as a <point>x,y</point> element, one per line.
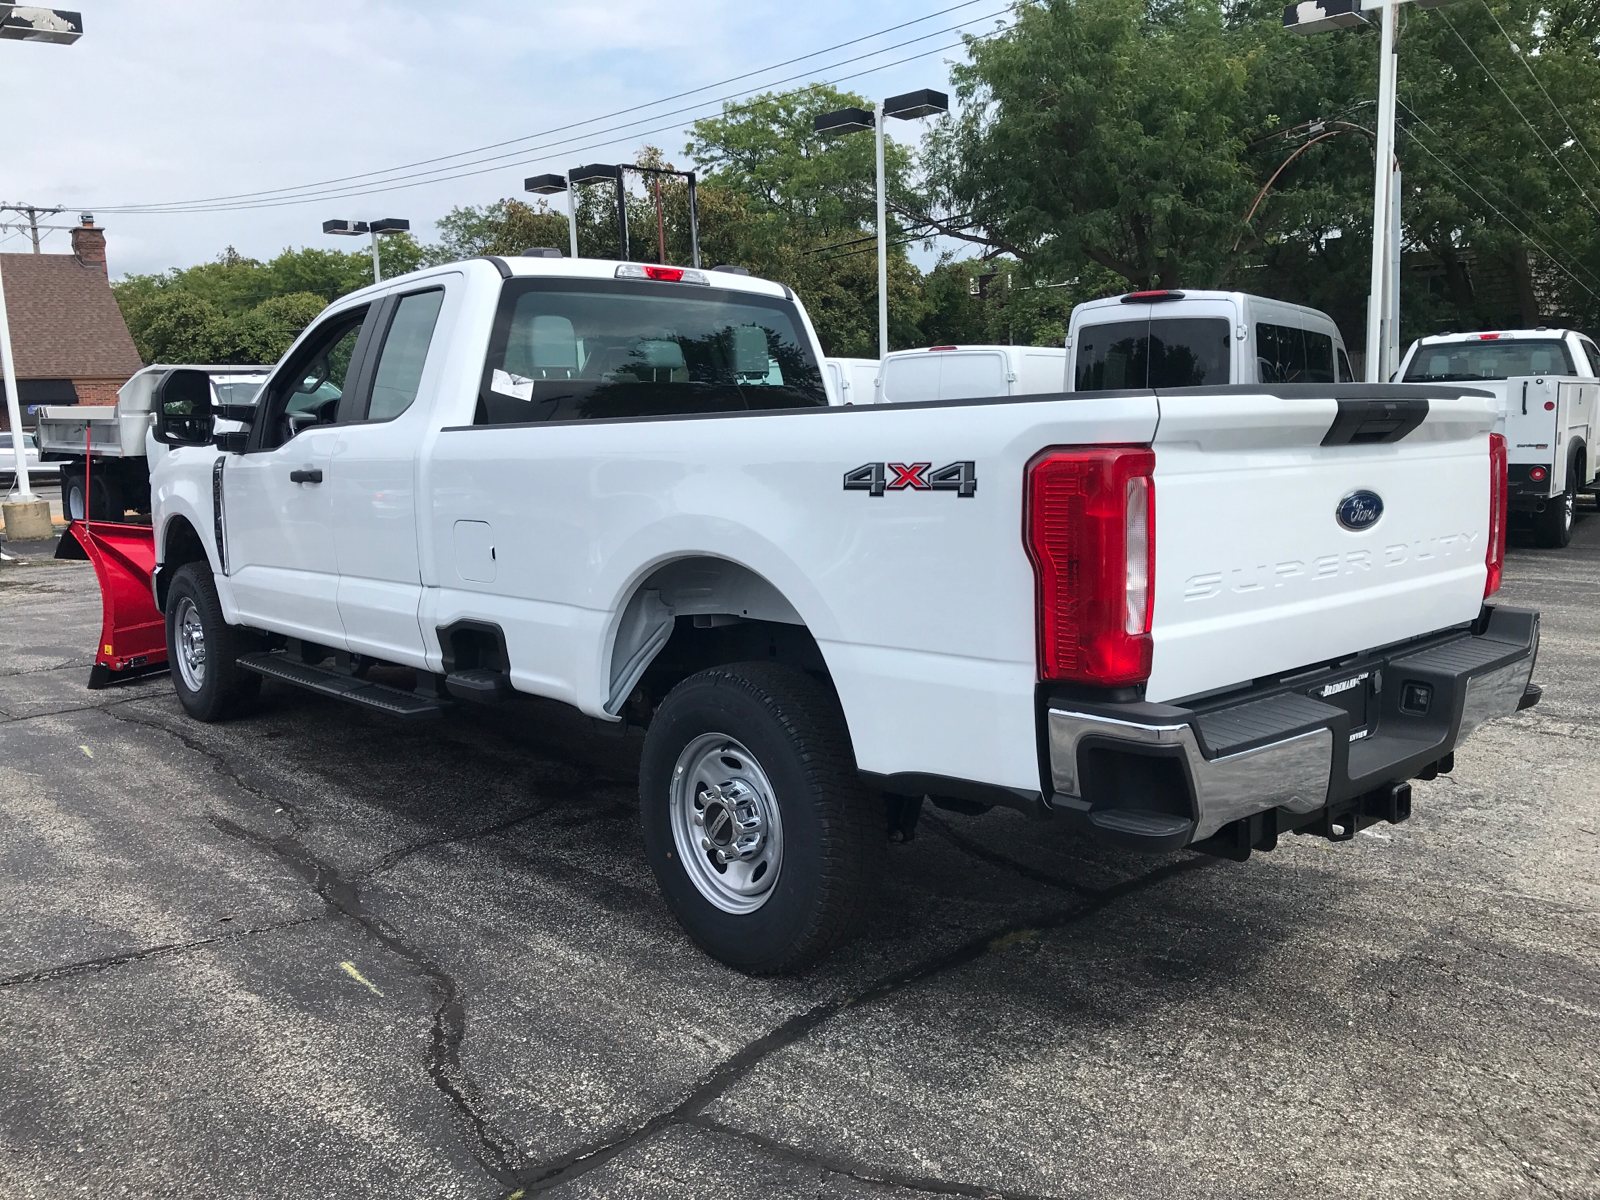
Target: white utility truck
<point>1180,618</point>
<point>1547,386</point>
<point>116,436</point>
<point>851,380</point>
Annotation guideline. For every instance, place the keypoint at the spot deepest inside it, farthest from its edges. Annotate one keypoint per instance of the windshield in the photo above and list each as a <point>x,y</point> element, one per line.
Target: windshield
<point>1165,352</point>
<point>570,350</point>
<point>1449,362</point>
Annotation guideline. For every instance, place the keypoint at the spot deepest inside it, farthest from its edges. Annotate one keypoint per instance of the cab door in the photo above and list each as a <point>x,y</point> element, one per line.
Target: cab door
<point>277,516</point>
<point>374,477</point>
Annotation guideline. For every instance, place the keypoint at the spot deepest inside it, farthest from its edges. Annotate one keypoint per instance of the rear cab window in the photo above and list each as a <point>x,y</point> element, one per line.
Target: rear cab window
<point>576,349</point>
<point>1458,362</point>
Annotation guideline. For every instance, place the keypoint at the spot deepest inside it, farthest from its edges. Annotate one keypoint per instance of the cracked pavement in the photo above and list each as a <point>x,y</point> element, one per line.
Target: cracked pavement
<point>316,953</point>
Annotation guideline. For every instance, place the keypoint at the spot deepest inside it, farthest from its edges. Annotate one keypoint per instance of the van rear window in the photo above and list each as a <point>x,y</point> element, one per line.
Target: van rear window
<point>1452,362</point>
<point>1164,352</point>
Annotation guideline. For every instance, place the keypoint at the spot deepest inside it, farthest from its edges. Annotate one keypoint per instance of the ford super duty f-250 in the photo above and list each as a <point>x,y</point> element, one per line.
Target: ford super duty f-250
<point>1192,618</point>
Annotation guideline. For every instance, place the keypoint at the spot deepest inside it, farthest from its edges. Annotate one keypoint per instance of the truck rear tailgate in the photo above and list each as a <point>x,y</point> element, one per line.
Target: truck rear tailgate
<point>1295,528</point>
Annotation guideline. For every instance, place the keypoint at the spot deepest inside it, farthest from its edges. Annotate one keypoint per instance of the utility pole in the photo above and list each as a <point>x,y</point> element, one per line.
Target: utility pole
<point>1383,302</point>
<point>33,212</point>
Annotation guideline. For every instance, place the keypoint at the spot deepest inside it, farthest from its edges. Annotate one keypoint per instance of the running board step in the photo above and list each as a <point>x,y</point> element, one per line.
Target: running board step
<point>481,686</point>
<point>276,664</point>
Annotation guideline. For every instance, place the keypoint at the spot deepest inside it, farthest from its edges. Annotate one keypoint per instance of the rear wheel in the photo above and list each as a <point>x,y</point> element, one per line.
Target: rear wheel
<point>203,649</point>
<point>765,844</point>
<point>1553,527</point>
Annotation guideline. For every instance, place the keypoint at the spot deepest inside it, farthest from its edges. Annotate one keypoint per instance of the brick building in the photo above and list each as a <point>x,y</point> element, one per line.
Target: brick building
<point>70,341</point>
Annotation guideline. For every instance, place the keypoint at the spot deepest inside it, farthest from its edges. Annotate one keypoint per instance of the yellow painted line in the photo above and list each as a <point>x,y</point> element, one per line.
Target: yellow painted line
<point>1007,940</point>
<point>87,751</point>
<point>350,970</point>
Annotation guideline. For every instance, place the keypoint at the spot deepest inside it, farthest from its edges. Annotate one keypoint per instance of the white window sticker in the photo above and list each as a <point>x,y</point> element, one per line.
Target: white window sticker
<point>508,384</point>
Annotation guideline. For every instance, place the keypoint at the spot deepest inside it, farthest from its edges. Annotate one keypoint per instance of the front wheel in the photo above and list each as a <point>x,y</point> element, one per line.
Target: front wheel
<point>203,649</point>
<point>765,844</point>
<point>1553,527</point>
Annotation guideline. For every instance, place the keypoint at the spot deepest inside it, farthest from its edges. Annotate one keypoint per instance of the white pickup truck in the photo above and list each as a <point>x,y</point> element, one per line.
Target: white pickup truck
<point>1197,618</point>
<point>1546,383</point>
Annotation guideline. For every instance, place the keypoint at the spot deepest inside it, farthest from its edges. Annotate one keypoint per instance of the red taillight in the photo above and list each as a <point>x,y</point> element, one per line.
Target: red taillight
<point>942,347</point>
<point>1537,474</point>
<point>665,274</point>
<point>1495,555</point>
<point>1154,297</point>
<point>1488,337</point>
<point>1091,536</point>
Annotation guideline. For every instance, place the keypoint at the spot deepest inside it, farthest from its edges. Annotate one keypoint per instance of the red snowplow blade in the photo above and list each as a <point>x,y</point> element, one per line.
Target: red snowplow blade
<point>133,635</point>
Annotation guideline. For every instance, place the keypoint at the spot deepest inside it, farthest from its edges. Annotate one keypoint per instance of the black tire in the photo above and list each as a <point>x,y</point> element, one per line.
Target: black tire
<point>832,831</point>
<point>221,688</point>
<point>72,494</point>
<point>1552,528</point>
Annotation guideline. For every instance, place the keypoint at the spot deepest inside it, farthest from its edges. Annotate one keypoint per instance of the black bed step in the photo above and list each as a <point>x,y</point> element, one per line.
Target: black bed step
<point>276,664</point>
<point>1146,831</point>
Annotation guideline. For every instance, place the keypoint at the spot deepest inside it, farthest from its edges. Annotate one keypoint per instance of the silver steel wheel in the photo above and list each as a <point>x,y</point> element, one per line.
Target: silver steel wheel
<point>725,823</point>
<point>1569,502</point>
<point>191,647</point>
<point>76,509</point>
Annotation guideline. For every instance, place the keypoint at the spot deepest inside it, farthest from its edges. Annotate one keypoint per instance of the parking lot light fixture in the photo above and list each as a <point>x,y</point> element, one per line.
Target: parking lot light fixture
<point>372,229</point>
<point>906,107</point>
<point>600,173</point>
<point>22,23</point>
<point>549,185</point>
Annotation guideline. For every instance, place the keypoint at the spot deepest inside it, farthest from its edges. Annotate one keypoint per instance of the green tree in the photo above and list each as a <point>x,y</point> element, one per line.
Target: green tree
<point>1101,131</point>
<point>507,226</point>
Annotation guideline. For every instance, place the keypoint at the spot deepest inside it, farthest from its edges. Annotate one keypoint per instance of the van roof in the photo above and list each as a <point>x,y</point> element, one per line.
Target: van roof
<point>1185,294</point>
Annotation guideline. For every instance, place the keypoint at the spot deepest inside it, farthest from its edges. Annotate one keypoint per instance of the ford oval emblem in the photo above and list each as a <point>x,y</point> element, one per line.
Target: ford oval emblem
<point>1359,510</point>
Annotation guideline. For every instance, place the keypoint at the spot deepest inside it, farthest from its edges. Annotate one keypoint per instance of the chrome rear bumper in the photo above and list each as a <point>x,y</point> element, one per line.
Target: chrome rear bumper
<point>1284,747</point>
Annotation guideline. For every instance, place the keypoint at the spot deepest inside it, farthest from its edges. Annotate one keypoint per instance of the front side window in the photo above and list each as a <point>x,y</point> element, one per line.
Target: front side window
<point>1455,362</point>
<point>1346,375</point>
<point>1164,352</point>
<point>1592,354</point>
<point>570,350</point>
<point>404,353</point>
<point>307,391</point>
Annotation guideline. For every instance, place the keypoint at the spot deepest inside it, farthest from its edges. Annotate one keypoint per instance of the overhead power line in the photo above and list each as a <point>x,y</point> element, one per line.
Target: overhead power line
<point>1516,50</point>
<point>1532,221</point>
<point>1411,133</point>
<point>1554,156</point>
<point>384,179</point>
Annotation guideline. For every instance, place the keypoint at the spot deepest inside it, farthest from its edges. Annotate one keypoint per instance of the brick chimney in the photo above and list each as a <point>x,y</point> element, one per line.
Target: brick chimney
<point>89,243</point>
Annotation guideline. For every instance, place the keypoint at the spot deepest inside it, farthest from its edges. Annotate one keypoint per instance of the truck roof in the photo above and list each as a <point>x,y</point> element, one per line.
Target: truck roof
<point>1177,295</point>
<point>532,266</point>
<point>1494,335</point>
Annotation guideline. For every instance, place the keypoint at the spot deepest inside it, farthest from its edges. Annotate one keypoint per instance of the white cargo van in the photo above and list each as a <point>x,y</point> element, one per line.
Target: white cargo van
<point>1200,339</point>
<point>971,373</point>
<point>851,380</point>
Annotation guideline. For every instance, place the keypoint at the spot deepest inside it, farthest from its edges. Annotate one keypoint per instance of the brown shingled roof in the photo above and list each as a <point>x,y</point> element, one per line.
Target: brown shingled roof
<point>65,323</point>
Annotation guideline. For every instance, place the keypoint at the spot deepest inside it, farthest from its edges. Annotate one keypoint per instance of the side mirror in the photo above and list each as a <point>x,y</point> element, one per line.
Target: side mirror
<point>182,403</point>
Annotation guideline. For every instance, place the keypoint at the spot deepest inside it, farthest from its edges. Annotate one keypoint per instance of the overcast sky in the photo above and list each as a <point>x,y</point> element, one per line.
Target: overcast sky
<point>166,100</point>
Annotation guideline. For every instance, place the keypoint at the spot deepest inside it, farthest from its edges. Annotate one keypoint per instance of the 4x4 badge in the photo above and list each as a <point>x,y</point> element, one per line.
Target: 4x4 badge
<point>958,477</point>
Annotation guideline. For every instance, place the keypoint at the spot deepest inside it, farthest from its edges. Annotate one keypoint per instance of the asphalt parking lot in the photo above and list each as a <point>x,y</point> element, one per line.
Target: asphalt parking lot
<point>313,953</point>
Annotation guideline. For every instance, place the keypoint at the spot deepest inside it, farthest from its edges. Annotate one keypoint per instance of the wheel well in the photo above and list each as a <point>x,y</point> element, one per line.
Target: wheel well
<point>180,545</point>
<point>695,613</point>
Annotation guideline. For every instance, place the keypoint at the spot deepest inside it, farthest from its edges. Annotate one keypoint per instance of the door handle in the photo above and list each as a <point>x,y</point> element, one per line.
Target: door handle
<point>1524,397</point>
<point>308,475</point>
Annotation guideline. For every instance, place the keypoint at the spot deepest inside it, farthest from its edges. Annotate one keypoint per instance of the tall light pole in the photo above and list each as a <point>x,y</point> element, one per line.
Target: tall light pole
<point>548,185</point>
<point>374,228</point>
<point>905,107</point>
<point>1383,301</point>
<point>23,517</point>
